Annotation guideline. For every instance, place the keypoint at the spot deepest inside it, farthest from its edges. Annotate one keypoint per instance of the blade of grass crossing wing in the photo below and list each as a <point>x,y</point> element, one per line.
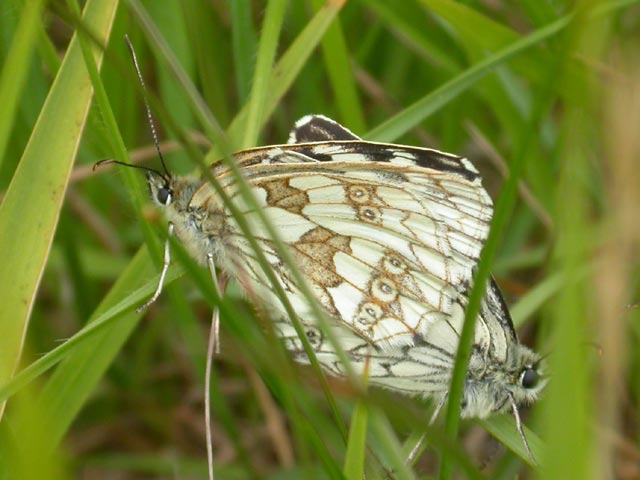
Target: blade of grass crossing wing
<point>213,130</point>
<point>503,428</point>
<point>504,206</point>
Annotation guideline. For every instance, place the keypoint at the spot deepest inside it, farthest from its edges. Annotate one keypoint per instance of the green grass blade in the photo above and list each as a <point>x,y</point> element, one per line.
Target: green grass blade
<point>274,16</point>
<point>356,446</point>
<point>287,69</point>
<point>30,210</point>
<point>77,376</point>
<point>244,46</point>
<point>382,430</point>
<point>411,116</point>
<point>15,68</point>
<point>338,66</point>
<point>569,408</point>
<point>121,301</point>
<point>402,19</point>
<point>503,209</point>
<point>503,427</point>
<point>210,46</point>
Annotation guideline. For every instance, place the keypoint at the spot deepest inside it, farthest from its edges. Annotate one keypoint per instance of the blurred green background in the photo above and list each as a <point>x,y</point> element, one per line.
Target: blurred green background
<point>548,90</point>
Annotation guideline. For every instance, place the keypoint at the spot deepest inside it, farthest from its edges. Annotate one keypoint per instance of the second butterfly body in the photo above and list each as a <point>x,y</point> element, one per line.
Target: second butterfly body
<point>386,236</point>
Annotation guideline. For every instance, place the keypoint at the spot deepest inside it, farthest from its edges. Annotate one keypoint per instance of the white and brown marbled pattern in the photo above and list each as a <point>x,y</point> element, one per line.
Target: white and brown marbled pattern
<point>386,236</point>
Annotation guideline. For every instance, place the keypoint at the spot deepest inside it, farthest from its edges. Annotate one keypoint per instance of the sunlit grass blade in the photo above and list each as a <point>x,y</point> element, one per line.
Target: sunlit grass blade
<point>30,210</point>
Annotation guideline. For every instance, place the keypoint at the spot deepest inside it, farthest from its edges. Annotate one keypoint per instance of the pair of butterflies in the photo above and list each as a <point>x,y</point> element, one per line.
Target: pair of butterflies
<point>386,236</point>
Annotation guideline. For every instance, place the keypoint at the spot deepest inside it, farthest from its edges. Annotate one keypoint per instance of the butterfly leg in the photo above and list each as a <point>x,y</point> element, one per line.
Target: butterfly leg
<point>219,284</point>
<point>516,414</point>
<point>163,274</point>
<point>416,449</point>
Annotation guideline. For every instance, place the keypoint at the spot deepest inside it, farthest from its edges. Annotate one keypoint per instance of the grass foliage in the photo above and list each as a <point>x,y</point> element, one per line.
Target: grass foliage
<point>543,96</point>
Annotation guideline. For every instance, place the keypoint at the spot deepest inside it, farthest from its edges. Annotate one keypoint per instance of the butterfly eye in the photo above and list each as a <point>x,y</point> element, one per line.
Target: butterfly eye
<point>164,195</point>
<point>529,378</point>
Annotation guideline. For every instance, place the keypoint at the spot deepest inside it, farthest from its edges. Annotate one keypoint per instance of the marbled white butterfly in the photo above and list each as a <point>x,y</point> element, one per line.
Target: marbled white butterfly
<point>387,237</point>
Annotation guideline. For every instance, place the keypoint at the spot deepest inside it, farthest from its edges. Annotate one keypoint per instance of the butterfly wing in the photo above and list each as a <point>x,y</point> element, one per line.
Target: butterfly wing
<point>387,236</point>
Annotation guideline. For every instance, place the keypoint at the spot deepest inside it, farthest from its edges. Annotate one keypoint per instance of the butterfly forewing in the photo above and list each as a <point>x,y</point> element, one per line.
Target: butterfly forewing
<point>386,235</point>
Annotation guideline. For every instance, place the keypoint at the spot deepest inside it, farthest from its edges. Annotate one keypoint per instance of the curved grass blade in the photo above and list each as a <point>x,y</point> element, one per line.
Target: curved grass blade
<point>411,116</point>
<point>30,210</point>
<point>121,299</point>
<point>16,66</point>
<point>287,69</point>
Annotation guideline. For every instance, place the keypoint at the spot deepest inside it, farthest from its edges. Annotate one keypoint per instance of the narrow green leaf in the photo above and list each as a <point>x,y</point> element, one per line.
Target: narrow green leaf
<point>116,304</point>
<point>503,427</point>
<point>357,444</point>
<point>244,46</point>
<point>411,116</point>
<point>77,376</point>
<point>338,66</point>
<point>16,67</point>
<point>267,48</point>
<point>287,69</point>
<point>30,210</point>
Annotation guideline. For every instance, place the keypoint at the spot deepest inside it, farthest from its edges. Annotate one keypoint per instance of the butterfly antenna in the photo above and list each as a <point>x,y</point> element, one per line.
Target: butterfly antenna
<point>147,107</point>
<point>107,161</point>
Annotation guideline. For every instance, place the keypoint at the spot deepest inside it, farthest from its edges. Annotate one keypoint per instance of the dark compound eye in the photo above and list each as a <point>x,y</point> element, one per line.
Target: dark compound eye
<point>164,195</point>
<point>529,377</point>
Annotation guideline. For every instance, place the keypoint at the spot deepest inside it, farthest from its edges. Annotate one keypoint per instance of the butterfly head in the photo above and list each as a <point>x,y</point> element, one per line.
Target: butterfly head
<point>172,194</point>
<point>529,379</point>
<point>518,382</point>
<point>160,188</point>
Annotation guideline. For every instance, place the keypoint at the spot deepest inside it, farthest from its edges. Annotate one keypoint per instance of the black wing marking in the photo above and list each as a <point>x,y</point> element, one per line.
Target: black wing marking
<point>400,155</point>
<point>318,128</point>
